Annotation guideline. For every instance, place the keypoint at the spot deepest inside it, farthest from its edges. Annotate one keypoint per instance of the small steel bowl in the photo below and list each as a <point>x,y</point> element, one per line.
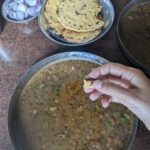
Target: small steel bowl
<point>4,13</point>
<point>108,15</point>
<point>131,58</point>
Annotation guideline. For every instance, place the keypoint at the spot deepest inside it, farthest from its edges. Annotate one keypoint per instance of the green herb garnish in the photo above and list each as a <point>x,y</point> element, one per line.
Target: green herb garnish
<point>41,86</point>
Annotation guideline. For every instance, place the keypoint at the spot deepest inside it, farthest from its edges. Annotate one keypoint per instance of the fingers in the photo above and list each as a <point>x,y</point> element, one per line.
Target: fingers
<point>112,79</point>
<point>109,68</point>
<point>87,90</point>
<point>105,100</point>
<point>110,92</point>
<point>116,80</point>
<point>95,73</point>
<point>95,95</point>
<point>111,89</point>
<point>123,72</point>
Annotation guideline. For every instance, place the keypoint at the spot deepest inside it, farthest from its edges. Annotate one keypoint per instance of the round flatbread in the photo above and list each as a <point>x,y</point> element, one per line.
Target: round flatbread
<point>80,16</point>
<point>51,12</point>
<point>56,28</point>
<point>79,37</point>
<point>72,36</point>
<point>52,16</point>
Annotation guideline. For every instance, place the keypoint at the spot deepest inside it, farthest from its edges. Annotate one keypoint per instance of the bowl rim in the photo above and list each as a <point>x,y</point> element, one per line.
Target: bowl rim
<point>54,39</point>
<point>64,56</point>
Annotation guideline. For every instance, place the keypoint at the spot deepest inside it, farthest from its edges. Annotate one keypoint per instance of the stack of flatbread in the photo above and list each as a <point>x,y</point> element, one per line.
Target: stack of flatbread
<point>77,21</point>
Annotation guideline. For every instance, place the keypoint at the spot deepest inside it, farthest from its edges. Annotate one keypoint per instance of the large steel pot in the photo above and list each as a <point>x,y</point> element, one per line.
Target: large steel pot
<point>15,132</point>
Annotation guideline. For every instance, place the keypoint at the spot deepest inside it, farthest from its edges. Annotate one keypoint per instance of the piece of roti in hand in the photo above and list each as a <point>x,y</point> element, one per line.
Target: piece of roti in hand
<point>88,84</point>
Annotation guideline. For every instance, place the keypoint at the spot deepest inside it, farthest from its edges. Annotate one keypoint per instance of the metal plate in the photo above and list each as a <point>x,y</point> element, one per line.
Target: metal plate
<point>108,14</point>
<point>15,133</point>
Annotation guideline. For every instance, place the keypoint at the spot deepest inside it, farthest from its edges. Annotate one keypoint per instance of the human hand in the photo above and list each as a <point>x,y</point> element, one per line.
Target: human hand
<point>121,84</point>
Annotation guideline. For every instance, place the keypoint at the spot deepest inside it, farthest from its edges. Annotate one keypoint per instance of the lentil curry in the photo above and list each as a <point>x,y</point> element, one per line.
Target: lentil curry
<point>55,113</point>
<point>135,32</point>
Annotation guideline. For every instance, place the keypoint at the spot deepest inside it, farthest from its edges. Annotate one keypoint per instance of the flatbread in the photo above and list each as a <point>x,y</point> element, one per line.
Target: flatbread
<point>80,16</point>
<point>76,37</point>
<point>52,16</point>
<point>57,29</point>
<point>51,12</point>
<point>72,36</point>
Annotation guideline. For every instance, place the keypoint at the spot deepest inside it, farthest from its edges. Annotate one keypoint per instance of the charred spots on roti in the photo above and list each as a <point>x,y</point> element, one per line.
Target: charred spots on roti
<point>74,13</point>
<point>77,13</point>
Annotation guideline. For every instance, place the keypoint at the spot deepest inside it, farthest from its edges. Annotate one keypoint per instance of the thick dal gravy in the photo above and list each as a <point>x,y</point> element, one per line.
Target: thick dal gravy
<point>55,113</point>
<point>135,32</point>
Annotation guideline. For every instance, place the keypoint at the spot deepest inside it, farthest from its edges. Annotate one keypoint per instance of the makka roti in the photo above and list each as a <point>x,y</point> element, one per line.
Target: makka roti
<point>80,16</point>
<point>51,12</point>
<point>77,37</point>
<point>70,35</point>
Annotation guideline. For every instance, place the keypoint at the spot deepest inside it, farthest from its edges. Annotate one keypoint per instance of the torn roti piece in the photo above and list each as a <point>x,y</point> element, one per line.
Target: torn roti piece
<point>88,84</point>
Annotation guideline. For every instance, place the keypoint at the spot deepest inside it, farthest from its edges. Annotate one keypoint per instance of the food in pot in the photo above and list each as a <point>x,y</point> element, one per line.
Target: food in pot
<point>54,113</point>
<point>135,32</point>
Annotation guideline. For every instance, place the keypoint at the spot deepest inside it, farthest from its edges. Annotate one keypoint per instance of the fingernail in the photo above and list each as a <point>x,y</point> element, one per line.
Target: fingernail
<point>88,90</point>
<point>105,104</point>
<point>97,84</point>
<point>92,98</point>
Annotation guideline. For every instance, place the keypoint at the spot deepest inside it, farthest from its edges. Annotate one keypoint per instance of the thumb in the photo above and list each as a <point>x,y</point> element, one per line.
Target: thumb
<point>112,89</point>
